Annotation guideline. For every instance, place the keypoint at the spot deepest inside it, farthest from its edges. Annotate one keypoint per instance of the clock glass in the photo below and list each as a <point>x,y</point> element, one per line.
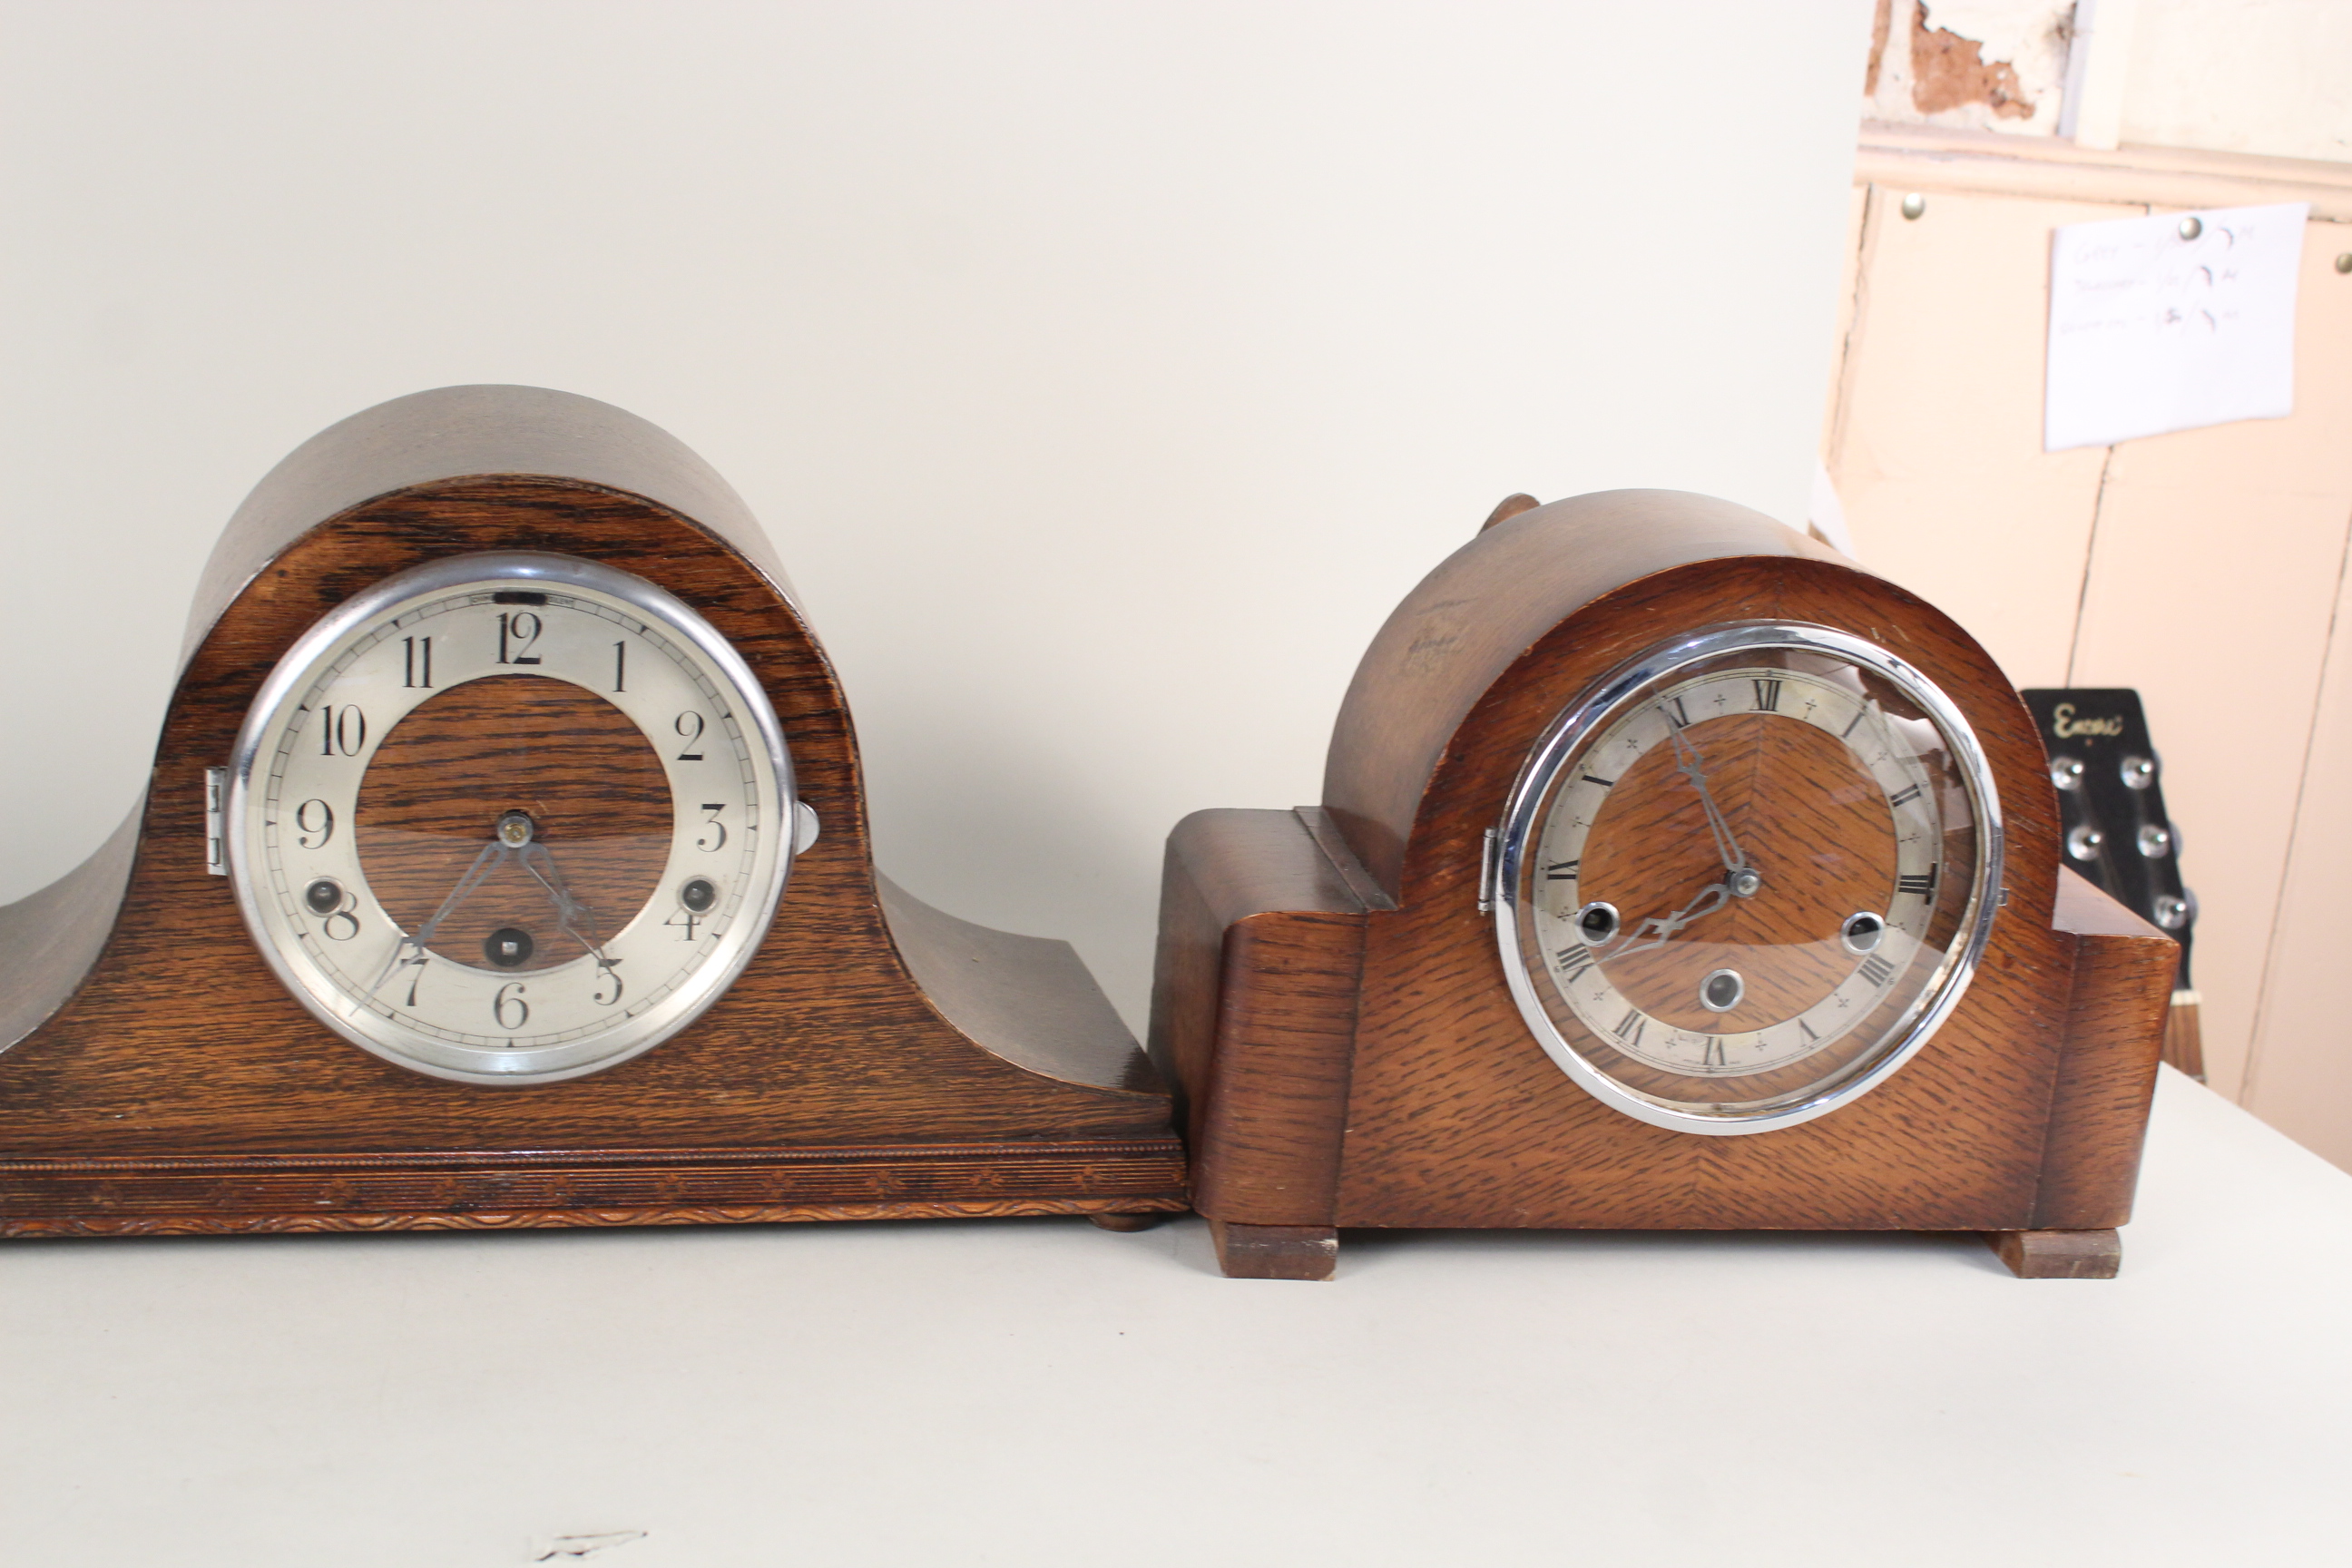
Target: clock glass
<point>1747,877</point>
<point>510,818</point>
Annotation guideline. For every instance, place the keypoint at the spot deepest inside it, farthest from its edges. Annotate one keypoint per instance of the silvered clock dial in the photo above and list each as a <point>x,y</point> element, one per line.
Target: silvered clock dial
<point>510,818</point>
<point>1747,877</point>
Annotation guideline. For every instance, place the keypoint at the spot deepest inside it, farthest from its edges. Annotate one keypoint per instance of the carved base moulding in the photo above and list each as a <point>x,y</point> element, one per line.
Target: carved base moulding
<point>505,863</point>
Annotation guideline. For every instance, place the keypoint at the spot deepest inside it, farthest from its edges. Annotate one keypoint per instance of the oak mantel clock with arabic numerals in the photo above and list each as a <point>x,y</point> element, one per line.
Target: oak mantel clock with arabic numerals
<point>1672,872</point>
<point>505,863</point>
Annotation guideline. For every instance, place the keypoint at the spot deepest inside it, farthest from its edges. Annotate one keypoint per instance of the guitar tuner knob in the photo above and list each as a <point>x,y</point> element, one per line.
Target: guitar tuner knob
<point>2139,772</point>
<point>2155,842</point>
<point>2066,772</point>
<point>2085,843</point>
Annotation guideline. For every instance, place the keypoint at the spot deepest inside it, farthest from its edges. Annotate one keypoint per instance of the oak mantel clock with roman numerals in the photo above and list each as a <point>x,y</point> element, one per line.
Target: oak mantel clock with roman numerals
<point>1671,872</point>
<point>505,863</point>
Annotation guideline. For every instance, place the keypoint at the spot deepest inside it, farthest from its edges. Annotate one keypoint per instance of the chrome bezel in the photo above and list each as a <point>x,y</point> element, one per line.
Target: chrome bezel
<point>1593,712</point>
<point>431,1054</point>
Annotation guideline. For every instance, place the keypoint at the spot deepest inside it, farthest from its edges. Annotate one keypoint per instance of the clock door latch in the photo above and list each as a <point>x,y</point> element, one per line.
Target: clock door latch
<point>1487,892</point>
<point>216,821</point>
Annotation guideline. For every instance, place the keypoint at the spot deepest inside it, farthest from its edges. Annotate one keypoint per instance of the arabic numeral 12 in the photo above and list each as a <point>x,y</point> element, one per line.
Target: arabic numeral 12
<point>517,630</point>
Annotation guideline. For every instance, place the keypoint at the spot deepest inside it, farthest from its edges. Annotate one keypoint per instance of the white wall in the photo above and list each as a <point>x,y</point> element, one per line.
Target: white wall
<point>1103,372</point>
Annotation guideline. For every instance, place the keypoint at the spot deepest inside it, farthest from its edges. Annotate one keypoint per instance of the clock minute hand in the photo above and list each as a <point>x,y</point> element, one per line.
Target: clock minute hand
<point>1694,767</point>
<point>484,864</point>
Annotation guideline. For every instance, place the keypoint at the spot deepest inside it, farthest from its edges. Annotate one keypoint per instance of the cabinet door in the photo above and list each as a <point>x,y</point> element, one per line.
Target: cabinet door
<point>1936,444</point>
<point>2214,578</point>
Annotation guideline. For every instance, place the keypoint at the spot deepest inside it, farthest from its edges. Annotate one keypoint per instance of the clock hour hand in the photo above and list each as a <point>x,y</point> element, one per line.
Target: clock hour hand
<point>1655,930</point>
<point>411,949</point>
<point>571,914</point>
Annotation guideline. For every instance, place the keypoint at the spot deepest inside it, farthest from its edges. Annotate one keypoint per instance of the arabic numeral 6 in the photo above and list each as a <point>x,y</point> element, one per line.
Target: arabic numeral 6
<point>508,1008</point>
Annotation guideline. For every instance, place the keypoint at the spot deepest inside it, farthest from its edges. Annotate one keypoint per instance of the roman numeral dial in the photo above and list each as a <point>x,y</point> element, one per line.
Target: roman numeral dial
<point>1745,877</point>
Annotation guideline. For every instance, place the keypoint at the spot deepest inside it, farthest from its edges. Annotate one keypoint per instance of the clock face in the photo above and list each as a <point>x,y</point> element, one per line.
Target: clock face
<point>510,818</point>
<point>1747,878</point>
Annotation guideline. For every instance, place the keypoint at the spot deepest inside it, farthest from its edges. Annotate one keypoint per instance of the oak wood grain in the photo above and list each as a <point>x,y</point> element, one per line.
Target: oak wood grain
<point>2029,1101</point>
<point>180,1043</point>
<point>1253,1009</point>
<point>2116,1021</point>
<point>590,781</point>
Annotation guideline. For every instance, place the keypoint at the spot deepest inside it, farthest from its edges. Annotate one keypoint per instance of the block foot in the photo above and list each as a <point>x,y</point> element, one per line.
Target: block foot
<point>1126,1221</point>
<point>1275,1251</point>
<point>2058,1254</point>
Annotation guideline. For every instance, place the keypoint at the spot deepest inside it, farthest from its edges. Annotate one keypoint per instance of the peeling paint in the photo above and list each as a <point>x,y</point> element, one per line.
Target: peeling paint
<point>1948,72</point>
<point>1996,65</point>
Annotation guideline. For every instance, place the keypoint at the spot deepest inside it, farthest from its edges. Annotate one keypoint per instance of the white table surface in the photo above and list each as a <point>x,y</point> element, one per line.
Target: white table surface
<point>1041,1393</point>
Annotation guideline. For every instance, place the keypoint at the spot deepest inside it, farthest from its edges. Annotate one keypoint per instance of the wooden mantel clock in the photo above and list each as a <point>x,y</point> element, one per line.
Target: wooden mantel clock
<point>505,863</point>
<point>1672,872</point>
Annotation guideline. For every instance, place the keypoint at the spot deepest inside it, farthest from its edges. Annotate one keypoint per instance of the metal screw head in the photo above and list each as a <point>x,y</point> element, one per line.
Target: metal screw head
<point>2343,262</point>
<point>1746,880</point>
<point>1914,205</point>
<point>2191,227</point>
<point>515,829</point>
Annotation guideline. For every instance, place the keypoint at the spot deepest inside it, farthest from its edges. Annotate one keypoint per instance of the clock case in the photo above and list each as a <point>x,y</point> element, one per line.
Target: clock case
<point>1330,1000</point>
<point>876,1058</point>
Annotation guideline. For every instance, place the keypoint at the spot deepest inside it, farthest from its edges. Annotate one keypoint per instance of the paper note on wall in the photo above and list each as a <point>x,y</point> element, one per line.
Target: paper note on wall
<point>2171,322</point>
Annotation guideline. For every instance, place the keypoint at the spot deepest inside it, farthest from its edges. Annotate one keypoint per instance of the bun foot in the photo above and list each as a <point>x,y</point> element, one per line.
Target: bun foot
<point>1126,1221</point>
<point>1275,1251</point>
<point>2058,1254</point>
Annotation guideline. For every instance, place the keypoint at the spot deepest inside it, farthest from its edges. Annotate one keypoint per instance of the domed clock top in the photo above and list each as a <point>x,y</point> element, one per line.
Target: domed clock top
<point>506,863</point>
